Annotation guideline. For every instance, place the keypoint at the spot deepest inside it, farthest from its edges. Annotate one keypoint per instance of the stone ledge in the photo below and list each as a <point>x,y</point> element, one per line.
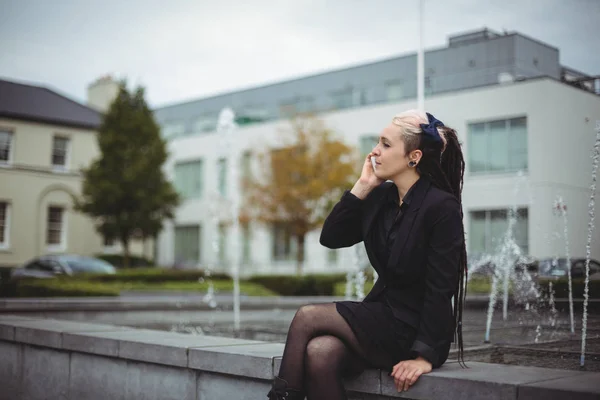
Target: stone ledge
<point>245,359</point>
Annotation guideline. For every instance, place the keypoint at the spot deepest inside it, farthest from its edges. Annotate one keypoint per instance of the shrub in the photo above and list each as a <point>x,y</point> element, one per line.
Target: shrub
<point>155,275</point>
<point>561,288</point>
<point>117,260</point>
<point>306,285</point>
<point>57,288</point>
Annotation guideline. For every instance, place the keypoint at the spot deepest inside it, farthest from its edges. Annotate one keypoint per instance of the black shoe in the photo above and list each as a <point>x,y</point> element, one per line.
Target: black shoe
<point>281,391</point>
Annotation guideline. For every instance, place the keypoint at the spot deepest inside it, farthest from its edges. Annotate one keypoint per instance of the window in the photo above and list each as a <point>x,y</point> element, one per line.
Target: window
<point>187,244</point>
<point>205,123</point>
<point>60,148</point>
<point>173,129</point>
<point>109,241</point>
<point>298,104</point>
<point>55,234</point>
<point>252,114</point>
<point>368,143</point>
<point>359,97</point>
<point>5,147</point>
<point>498,146</point>
<point>332,256</point>
<point>246,239</point>
<point>246,164</point>
<point>222,176</point>
<point>342,99</point>
<point>488,228</point>
<point>222,249</point>
<point>188,179</point>
<point>394,91</point>
<point>284,247</point>
<point>4,225</point>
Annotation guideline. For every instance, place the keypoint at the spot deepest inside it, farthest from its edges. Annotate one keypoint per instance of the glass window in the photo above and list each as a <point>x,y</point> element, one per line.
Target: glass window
<point>342,99</point>
<point>222,243</point>
<point>173,129</point>
<point>188,178</point>
<point>222,176</point>
<point>488,228</point>
<point>518,142</point>
<point>498,142</point>
<point>5,146</point>
<point>477,233</point>
<point>298,104</point>
<point>368,143</point>
<point>109,241</point>
<point>3,224</point>
<point>246,164</point>
<point>59,151</point>
<point>394,91</point>
<point>246,239</point>
<point>498,146</point>
<point>477,148</point>
<point>54,233</point>
<point>205,123</point>
<point>252,114</point>
<point>283,243</point>
<point>332,256</point>
<point>187,244</point>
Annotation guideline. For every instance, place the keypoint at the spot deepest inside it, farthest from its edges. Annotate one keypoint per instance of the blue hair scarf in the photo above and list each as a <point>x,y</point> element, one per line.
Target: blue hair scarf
<point>431,136</point>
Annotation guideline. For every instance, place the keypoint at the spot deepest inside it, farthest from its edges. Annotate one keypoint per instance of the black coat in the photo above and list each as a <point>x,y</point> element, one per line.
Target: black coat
<point>421,275</point>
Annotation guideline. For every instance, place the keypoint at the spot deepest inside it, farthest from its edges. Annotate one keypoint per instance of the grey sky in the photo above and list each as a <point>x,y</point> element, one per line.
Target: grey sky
<point>188,49</point>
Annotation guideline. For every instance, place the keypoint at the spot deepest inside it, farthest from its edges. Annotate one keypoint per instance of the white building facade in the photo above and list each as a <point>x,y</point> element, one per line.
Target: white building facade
<point>527,138</point>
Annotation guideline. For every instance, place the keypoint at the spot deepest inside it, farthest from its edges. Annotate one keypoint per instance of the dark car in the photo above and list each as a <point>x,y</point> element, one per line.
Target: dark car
<point>557,268</point>
<point>484,264</point>
<point>64,264</point>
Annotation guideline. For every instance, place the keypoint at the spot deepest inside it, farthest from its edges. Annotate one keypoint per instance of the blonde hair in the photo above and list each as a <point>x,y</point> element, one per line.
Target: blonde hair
<point>409,123</point>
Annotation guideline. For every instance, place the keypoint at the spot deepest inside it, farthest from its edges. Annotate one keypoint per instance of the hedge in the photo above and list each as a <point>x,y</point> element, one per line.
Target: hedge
<point>54,288</point>
<point>154,275</point>
<point>306,285</point>
<point>117,260</point>
<point>561,288</point>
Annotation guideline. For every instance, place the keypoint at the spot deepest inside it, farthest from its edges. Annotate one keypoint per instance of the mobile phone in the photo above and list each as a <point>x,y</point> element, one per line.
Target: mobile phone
<point>373,163</point>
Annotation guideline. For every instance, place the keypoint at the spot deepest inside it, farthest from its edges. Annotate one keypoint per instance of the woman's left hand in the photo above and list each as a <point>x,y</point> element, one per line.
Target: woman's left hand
<point>407,372</point>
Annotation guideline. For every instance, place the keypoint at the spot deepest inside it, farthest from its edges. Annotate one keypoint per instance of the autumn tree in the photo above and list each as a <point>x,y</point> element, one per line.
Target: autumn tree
<point>125,189</point>
<point>300,180</point>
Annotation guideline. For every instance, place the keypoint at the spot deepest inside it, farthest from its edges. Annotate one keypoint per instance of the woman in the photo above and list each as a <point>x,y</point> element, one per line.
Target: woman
<point>407,210</point>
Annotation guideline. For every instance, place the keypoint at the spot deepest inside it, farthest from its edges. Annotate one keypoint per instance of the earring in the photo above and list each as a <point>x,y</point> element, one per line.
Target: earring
<point>412,164</point>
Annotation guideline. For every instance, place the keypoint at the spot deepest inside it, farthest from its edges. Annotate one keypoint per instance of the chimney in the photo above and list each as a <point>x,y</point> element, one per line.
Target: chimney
<point>102,92</point>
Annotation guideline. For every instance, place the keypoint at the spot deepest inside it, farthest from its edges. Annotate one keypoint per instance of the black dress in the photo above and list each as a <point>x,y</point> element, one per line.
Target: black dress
<point>373,322</point>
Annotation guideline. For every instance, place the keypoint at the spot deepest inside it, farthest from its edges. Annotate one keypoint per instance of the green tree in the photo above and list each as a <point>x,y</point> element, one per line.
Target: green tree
<point>125,189</point>
<point>300,181</point>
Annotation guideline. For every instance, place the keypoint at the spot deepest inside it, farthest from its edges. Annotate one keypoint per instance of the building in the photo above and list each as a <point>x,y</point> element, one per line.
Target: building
<point>45,141</point>
<point>526,122</point>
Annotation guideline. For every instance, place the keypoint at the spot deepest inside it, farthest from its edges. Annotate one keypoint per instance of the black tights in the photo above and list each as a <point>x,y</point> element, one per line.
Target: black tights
<point>320,350</point>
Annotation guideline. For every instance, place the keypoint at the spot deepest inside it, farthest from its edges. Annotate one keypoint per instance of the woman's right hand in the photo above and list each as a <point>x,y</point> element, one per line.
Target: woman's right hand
<point>367,181</point>
<point>367,176</point>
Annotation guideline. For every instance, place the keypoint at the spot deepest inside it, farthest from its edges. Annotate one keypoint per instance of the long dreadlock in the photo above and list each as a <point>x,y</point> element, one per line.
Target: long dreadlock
<point>447,173</point>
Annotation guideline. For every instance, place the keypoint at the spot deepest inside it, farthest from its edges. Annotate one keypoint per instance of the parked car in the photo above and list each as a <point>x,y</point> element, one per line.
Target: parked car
<point>480,264</point>
<point>50,266</point>
<point>557,268</point>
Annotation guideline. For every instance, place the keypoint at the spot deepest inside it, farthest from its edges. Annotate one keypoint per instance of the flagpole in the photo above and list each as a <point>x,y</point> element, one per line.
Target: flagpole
<point>420,63</point>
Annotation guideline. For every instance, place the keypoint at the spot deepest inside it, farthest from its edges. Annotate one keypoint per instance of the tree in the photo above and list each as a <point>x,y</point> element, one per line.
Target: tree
<point>125,190</point>
<point>300,181</point>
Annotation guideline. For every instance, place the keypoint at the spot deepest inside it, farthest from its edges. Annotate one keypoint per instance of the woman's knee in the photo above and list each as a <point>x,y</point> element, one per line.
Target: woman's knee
<point>325,352</point>
<point>306,315</point>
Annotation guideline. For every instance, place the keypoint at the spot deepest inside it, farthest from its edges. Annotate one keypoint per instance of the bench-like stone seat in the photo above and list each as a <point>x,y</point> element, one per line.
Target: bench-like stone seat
<point>44,358</point>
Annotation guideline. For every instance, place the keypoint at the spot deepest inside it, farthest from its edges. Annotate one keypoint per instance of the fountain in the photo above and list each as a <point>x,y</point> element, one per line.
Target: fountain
<point>355,278</point>
<point>561,209</point>
<point>588,249</point>
<point>225,128</point>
